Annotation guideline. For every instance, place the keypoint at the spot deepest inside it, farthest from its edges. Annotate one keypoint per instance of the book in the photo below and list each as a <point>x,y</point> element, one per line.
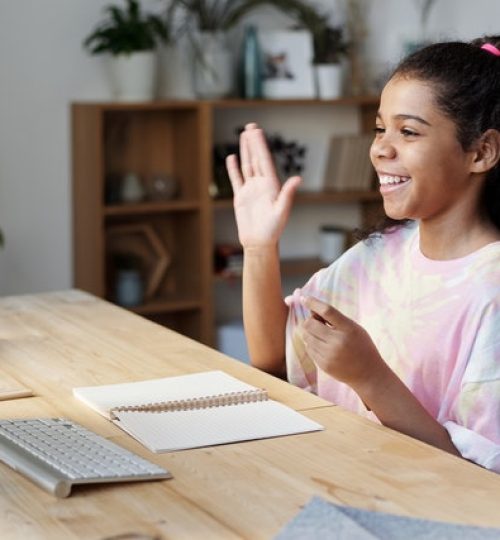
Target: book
<point>348,166</point>
<point>320,517</point>
<point>193,411</point>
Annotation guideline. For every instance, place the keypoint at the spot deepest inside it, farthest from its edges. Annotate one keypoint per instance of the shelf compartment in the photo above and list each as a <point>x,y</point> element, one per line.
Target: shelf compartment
<point>149,142</point>
<point>174,233</point>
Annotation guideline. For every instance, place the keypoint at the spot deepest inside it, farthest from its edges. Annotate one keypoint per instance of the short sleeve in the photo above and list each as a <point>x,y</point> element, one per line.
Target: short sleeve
<point>301,370</point>
<point>475,428</point>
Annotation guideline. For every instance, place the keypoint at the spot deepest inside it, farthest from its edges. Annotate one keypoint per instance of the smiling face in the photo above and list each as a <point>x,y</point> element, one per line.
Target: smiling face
<point>423,170</point>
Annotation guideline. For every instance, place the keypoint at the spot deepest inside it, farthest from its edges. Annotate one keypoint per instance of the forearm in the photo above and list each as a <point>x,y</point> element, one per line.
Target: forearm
<point>264,311</point>
<point>396,407</point>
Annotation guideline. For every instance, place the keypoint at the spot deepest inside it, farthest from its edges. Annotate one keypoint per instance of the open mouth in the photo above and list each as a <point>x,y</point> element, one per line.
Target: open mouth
<point>387,180</point>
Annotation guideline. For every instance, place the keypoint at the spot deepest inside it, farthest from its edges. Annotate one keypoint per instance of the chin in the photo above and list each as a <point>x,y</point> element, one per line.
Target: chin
<point>396,213</point>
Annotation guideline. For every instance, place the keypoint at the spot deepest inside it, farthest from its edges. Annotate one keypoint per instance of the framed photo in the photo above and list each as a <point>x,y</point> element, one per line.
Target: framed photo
<point>287,58</point>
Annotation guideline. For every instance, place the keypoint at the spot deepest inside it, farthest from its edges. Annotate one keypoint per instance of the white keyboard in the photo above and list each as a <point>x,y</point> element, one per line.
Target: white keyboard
<point>56,453</point>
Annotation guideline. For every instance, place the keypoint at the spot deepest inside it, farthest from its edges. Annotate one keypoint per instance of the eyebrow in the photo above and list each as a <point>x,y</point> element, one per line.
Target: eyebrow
<point>408,117</point>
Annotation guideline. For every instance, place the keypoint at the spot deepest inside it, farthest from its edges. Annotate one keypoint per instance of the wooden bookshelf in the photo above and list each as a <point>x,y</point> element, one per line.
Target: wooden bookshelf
<point>173,138</point>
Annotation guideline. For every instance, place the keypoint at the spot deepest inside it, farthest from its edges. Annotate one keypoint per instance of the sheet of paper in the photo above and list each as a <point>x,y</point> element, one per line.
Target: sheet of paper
<point>167,431</point>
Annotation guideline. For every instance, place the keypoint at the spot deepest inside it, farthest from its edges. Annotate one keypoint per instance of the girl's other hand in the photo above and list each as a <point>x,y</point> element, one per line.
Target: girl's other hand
<point>261,204</point>
<point>341,347</point>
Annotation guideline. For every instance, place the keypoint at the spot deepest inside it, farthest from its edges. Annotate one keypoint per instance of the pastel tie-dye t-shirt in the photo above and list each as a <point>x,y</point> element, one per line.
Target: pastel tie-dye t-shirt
<point>435,323</point>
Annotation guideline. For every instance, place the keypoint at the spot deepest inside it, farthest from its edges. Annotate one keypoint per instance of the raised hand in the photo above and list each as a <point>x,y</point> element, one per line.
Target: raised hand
<point>261,204</point>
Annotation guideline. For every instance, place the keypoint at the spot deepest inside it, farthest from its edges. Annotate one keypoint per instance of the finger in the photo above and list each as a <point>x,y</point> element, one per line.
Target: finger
<point>255,141</point>
<point>234,172</point>
<point>245,156</point>
<point>318,330</point>
<point>285,198</point>
<point>266,162</point>
<point>326,312</point>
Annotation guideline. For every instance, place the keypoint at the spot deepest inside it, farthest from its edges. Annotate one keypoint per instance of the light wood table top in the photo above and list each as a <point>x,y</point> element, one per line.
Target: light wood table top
<point>53,342</point>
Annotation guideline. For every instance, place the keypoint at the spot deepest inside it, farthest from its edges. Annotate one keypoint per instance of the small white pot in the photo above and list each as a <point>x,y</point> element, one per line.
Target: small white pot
<point>133,76</point>
<point>329,80</point>
<point>212,66</point>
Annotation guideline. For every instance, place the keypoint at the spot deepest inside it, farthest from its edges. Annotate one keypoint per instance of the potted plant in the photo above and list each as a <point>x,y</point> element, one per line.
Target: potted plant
<point>206,23</point>
<point>329,45</point>
<point>130,37</point>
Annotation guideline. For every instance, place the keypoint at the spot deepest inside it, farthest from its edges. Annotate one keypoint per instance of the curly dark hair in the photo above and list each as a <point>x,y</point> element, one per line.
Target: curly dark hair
<point>466,82</point>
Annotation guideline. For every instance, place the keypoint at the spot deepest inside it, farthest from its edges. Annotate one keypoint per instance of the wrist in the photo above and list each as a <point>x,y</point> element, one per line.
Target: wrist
<point>375,383</point>
<point>260,250</point>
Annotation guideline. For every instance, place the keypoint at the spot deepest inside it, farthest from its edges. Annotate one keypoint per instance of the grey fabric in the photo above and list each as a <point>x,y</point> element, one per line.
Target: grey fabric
<point>320,519</point>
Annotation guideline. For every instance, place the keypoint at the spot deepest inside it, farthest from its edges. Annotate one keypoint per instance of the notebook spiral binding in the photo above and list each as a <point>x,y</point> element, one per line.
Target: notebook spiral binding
<point>205,402</point>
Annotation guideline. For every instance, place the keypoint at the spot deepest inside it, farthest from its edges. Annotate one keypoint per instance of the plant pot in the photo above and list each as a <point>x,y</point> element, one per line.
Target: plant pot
<point>133,76</point>
<point>213,75</point>
<point>329,80</point>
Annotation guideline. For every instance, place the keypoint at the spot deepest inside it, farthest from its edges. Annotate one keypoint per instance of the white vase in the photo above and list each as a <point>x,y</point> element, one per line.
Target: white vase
<point>132,190</point>
<point>329,80</point>
<point>213,75</point>
<point>174,71</point>
<point>133,76</point>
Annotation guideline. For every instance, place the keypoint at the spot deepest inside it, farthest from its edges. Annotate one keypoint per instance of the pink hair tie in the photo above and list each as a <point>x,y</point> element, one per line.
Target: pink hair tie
<point>491,49</point>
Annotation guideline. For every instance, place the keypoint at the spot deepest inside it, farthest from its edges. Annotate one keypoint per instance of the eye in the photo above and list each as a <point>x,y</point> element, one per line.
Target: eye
<point>408,132</point>
<point>378,130</point>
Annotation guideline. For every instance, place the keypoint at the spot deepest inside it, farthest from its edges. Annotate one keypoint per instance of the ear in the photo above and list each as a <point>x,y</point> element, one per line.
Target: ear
<point>487,152</point>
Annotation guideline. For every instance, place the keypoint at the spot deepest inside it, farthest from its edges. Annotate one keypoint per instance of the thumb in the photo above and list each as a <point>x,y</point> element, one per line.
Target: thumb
<point>287,193</point>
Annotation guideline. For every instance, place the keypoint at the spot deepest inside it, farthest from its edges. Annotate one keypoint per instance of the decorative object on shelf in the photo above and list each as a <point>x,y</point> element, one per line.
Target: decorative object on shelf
<point>329,80</point>
<point>131,38</point>
<point>161,187</point>
<point>332,243</point>
<point>251,65</point>
<point>142,241</point>
<point>289,157</point>
<point>348,165</point>
<point>212,66</point>
<point>287,64</point>
<point>329,46</point>
<point>131,189</point>
<point>128,280</point>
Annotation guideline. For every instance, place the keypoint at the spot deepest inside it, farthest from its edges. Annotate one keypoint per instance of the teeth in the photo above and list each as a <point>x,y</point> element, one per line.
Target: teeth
<point>386,179</point>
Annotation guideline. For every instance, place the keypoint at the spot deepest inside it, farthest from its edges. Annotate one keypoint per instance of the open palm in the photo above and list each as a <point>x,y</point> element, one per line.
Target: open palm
<point>261,204</point>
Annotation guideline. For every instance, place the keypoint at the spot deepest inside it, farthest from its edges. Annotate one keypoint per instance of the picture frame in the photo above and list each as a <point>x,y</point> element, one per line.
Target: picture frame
<point>287,61</point>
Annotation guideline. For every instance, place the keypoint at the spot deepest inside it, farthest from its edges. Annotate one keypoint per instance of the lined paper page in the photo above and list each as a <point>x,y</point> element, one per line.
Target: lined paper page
<point>167,431</point>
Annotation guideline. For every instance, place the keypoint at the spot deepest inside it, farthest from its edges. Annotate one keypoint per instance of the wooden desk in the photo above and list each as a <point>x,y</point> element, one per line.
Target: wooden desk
<point>53,342</point>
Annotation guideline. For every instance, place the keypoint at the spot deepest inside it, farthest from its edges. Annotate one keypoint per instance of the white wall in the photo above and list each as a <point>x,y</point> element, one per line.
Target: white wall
<point>43,68</point>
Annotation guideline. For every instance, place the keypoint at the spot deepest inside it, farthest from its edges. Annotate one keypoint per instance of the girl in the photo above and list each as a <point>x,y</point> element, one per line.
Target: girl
<point>405,326</point>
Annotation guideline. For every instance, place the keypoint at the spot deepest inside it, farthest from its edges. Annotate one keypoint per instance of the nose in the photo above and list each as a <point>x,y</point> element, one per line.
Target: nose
<point>382,148</point>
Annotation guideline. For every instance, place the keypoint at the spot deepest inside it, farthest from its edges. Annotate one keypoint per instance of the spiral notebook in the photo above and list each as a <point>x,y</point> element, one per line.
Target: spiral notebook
<point>192,411</point>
